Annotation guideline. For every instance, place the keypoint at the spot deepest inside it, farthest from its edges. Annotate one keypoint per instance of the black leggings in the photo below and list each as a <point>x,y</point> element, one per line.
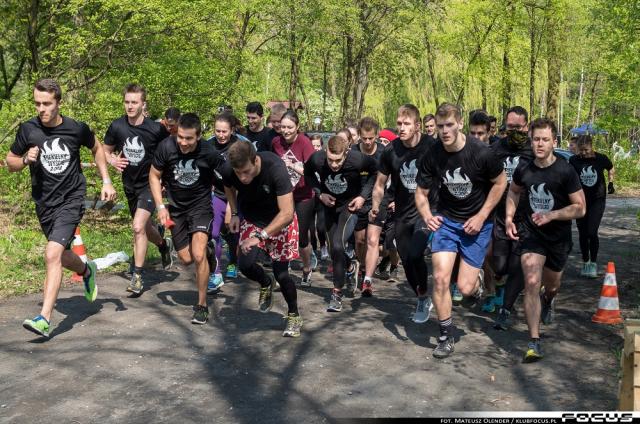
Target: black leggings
<point>588,229</point>
<point>412,239</point>
<point>340,226</point>
<point>304,211</point>
<point>515,280</point>
<point>318,231</point>
<point>232,244</point>
<point>249,267</point>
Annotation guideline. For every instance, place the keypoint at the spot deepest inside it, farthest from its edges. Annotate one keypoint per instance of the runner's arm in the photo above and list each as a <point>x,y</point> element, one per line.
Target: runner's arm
<point>575,210</point>
<point>108,192</point>
<point>232,199</point>
<point>494,196</point>
<point>17,163</point>
<point>378,191</point>
<point>422,203</point>
<point>513,198</point>
<point>155,184</point>
<point>284,216</point>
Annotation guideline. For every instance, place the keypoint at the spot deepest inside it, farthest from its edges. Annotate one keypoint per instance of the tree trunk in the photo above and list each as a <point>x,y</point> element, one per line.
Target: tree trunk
<point>431,67</point>
<point>553,74</point>
<point>348,78</point>
<point>32,35</point>
<point>293,60</point>
<point>532,60</point>
<point>506,64</point>
<point>592,100</point>
<point>580,96</point>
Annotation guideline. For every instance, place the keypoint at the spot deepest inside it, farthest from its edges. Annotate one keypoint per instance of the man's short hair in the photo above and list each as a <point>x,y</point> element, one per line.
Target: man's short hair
<point>368,124</point>
<point>255,107</point>
<point>584,140</point>
<point>428,117</point>
<point>135,88</point>
<point>190,121</point>
<point>278,109</point>
<point>50,86</point>
<point>172,114</point>
<point>493,119</point>
<point>241,153</point>
<point>542,123</point>
<point>337,145</point>
<point>518,110</point>
<point>409,110</point>
<point>479,117</point>
<point>445,110</point>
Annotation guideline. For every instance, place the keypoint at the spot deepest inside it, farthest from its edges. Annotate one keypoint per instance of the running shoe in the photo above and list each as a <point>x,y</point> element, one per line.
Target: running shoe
<point>136,284</point>
<point>165,254</point>
<point>423,310</point>
<point>498,299</point>
<point>335,304</point>
<point>586,266</point>
<point>314,261</point>
<point>129,273</point>
<point>200,315</point>
<point>306,279</point>
<point>351,275</point>
<point>367,288</point>
<point>444,347</point>
<point>393,273</point>
<point>489,306</point>
<point>502,320</point>
<point>481,289</point>
<point>215,283</point>
<point>381,274</point>
<point>90,287</point>
<point>330,269</point>
<point>294,324</point>
<point>38,325</point>
<point>547,310</point>
<point>456,295</point>
<point>533,353</point>
<point>232,271</point>
<point>324,253</point>
<point>265,300</point>
<point>593,270</point>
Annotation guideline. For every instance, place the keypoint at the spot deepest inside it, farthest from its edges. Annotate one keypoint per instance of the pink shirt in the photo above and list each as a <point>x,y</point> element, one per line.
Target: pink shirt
<point>297,152</point>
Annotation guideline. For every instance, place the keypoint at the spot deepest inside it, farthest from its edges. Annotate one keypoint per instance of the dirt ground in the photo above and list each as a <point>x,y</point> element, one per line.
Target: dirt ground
<point>122,359</point>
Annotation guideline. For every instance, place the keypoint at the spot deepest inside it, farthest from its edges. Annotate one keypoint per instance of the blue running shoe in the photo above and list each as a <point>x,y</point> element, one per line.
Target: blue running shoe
<point>214,284</point>
<point>232,271</point>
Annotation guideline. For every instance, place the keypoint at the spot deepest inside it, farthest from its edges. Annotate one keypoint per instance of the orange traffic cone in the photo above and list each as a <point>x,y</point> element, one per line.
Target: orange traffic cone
<point>608,307</point>
<point>78,249</point>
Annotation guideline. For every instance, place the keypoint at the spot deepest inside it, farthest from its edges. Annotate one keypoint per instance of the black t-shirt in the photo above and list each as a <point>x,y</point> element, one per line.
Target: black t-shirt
<point>355,178</point>
<point>377,155</point>
<point>261,140</point>
<point>547,189</point>
<point>258,200</point>
<point>465,177</point>
<point>138,143</point>
<point>56,175</point>
<point>188,177</point>
<point>591,173</point>
<point>401,164</point>
<point>510,156</point>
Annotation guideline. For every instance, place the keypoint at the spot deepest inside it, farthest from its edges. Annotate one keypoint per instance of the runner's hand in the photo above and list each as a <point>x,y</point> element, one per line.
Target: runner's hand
<point>32,155</point>
<point>234,224</point>
<point>118,161</point>
<point>163,215</point>
<point>474,225</point>
<point>511,230</point>
<point>611,188</point>
<point>108,193</point>
<point>392,207</point>
<point>356,204</point>
<point>541,218</point>
<point>328,200</point>
<point>434,223</point>
<point>247,244</point>
<point>373,214</point>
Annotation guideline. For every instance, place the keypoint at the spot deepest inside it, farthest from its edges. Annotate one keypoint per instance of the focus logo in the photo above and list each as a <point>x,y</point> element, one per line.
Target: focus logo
<point>597,417</point>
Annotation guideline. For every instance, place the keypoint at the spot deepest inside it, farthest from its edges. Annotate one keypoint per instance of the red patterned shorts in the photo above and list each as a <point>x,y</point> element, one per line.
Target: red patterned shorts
<point>282,247</point>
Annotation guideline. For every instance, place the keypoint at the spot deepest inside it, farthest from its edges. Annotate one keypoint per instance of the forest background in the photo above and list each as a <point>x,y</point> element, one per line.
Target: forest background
<point>574,61</point>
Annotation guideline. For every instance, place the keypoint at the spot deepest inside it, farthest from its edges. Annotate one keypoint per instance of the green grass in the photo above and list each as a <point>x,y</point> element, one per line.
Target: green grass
<point>22,245</point>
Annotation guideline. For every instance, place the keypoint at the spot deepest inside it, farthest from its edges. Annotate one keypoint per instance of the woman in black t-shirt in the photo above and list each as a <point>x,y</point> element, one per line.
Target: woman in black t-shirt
<point>590,167</point>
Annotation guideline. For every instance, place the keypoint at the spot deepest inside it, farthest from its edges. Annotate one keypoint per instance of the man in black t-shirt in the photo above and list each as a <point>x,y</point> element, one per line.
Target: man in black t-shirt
<point>186,166</point>
<point>259,135</point>
<point>591,166</point>
<point>399,162</point>
<point>50,146</point>
<point>135,138</point>
<point>342,179</point>
<point>258,186</point>
<point>553,198</point>
<point>471,184</point>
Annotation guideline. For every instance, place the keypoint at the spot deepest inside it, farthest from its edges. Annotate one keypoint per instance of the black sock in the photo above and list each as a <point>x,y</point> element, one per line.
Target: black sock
<point>382,266</point>
<point>86,268</point>
<point>535,339</point>
<point>446,328</point>
<point>162,246</point>
<point>393,268</point>
<point>138,270</point>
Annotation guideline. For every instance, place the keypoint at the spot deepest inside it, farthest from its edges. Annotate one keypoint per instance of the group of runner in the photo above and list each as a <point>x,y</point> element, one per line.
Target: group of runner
<point>494,213</point>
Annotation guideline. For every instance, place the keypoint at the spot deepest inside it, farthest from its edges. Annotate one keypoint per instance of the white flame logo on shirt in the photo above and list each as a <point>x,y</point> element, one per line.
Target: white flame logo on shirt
<point>56,157</point>
<point>539,199</point>
<point>186,173</point>
<point>336,184</point>
<point>510,165</point>
<point>588,176</point>
<point>408,175</point>
<point>460,186</point>
<point>133,150</point>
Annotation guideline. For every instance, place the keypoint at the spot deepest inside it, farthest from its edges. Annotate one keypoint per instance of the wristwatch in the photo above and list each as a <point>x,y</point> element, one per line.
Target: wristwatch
<point>262,235</point>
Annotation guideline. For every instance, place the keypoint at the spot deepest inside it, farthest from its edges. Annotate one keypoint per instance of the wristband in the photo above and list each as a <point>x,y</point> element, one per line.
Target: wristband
<point>106,181</point>
<point>234,213</point>
<point>161,206</point>
<point>263,235</point>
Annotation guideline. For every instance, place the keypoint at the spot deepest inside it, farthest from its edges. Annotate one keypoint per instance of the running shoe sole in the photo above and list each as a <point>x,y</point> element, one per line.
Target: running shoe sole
<point>28,326</point>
